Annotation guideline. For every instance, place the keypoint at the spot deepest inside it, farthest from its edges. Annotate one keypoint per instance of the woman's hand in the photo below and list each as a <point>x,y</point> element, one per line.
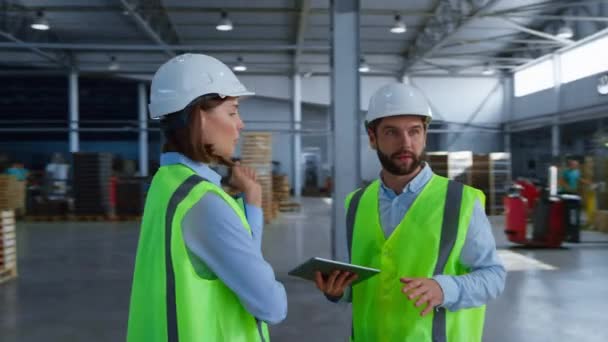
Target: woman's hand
<point>245,179</point>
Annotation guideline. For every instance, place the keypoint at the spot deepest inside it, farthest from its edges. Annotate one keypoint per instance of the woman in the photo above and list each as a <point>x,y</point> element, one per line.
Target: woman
<point>199,271</point>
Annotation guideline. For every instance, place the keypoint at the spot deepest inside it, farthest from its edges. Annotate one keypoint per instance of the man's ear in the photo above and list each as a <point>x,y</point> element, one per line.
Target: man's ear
<point>373,141</point>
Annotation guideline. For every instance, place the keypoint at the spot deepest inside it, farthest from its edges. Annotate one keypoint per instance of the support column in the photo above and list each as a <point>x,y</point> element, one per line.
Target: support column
<point>297,138</point>
<point>346,109</point>
<point>555,138</point>
<point>143,129</point>
<point>507,84</point>
<point>555,129</point>
<point>74,111</point>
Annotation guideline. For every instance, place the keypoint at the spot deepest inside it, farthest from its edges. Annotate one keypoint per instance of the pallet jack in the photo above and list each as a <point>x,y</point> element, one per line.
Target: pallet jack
<point>554,217</point>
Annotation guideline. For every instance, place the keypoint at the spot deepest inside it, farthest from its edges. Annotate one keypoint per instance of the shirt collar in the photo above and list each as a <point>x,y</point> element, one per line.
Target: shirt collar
<point>201,169</point>
<point>415,185</point>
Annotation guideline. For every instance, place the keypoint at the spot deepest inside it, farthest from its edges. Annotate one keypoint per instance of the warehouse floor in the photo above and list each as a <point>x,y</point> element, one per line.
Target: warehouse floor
<point>74,282</point>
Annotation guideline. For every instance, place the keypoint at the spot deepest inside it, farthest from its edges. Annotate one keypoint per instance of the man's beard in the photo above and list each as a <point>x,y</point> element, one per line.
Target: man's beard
<point>391,167</point>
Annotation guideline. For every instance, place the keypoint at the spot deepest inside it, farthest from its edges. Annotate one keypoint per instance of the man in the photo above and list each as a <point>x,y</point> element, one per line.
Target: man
<point>429,237</point>
<point>571,177</point>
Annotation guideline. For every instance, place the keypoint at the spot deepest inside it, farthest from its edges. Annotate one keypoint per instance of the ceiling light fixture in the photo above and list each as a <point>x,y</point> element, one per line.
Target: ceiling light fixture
<point>240,65</point>
<point>488,70</point>
<point>399,26</point>
<point>363,66</point>
<point>114,65</point>
<point>225,23</point>
<point>565,32</point>
<point>41,23</point>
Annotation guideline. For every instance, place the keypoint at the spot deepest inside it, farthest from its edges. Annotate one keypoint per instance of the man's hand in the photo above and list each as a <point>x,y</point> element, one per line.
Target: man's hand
<point>336,282</point>
<point>423,290</point>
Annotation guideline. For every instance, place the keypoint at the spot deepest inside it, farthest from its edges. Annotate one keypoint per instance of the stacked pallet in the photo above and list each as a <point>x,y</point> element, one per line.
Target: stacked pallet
<point>130,197</point>
<point>12,193</point>
<point>480,176</point>
<point>500,179</point>
<point>256,153</point>
<point>8,246</point>
<point>92,172</point>
<point>453,165</point>
<point>282,196</point>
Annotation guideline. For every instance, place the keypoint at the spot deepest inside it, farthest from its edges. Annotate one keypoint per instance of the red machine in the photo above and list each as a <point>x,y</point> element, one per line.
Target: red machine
<point>547,215</point>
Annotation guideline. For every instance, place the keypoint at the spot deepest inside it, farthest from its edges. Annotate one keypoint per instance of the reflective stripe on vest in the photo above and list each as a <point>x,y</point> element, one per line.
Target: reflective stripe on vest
<point>178,196</point>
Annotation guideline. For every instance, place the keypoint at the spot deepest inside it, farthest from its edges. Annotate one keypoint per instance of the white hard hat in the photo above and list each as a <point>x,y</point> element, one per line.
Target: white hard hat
<point>186,77</point>
<point>398,99</point>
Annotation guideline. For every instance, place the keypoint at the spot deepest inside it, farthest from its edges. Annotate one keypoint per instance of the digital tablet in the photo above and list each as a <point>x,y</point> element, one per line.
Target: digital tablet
<point>325,266</point>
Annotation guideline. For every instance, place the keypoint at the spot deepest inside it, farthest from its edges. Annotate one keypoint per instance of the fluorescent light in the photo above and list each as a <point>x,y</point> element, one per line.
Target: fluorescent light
<point>565,32</point>
<point>399,26</point>
<point>488,70</point>
<point>114,65</point>
<point>363,66</point>
<point>40,23</point>
<point>225,23</point>
<point>240,66</point>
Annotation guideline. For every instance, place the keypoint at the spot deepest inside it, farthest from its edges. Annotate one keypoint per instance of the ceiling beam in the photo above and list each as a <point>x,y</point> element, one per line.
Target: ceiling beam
<point>165,34</point>
<point>541,34</point>
<point>21,44</point>
<point>554,17</point>
<point>301,31</point>
<point>417,53</point>
<point>139,47</point>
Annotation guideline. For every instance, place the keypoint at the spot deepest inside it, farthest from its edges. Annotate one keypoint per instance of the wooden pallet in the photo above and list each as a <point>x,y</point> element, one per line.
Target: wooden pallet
<point>87,218</point>
<point>8,274</point>
<point>289,207</point>
<point>125,218</point>
<point>45,218</point>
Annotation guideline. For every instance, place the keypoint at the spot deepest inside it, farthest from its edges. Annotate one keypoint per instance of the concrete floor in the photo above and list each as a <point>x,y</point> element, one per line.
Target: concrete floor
<point>74,282</point>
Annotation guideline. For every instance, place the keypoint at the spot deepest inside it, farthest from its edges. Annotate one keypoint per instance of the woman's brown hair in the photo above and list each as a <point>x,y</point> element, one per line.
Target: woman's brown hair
<point>187,137</point>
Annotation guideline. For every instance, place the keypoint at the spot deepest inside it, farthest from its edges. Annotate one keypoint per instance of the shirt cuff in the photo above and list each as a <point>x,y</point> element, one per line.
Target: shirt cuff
<point>450,289</point>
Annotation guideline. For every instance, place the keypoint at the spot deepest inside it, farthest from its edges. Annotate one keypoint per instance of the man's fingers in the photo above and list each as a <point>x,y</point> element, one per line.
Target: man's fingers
<point>423,299</point>
<point>417,292</point>
<point>431,305</point>
<point>341,280</point>
<point>412,285</point>
<point>426,311</point>
<point>319,281</point>
<point>332,279</point>
<point>350,279</point>
<point>406,280</point>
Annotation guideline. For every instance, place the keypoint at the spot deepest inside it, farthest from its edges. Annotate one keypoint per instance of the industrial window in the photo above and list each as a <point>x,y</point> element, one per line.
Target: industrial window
<point>584,60</point>
<point>534,78</point>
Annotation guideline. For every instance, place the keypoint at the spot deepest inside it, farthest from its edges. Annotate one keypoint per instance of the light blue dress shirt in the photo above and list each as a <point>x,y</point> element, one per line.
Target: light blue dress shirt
<point>487,277</point>
<point>213,233</point>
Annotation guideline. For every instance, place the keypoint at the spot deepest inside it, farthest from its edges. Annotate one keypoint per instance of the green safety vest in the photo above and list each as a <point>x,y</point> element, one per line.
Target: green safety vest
<point>171,299</point>
<point>427,242</point>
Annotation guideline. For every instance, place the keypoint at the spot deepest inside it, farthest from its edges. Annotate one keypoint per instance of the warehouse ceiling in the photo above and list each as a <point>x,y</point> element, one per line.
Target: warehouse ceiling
<point>280,37</point>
